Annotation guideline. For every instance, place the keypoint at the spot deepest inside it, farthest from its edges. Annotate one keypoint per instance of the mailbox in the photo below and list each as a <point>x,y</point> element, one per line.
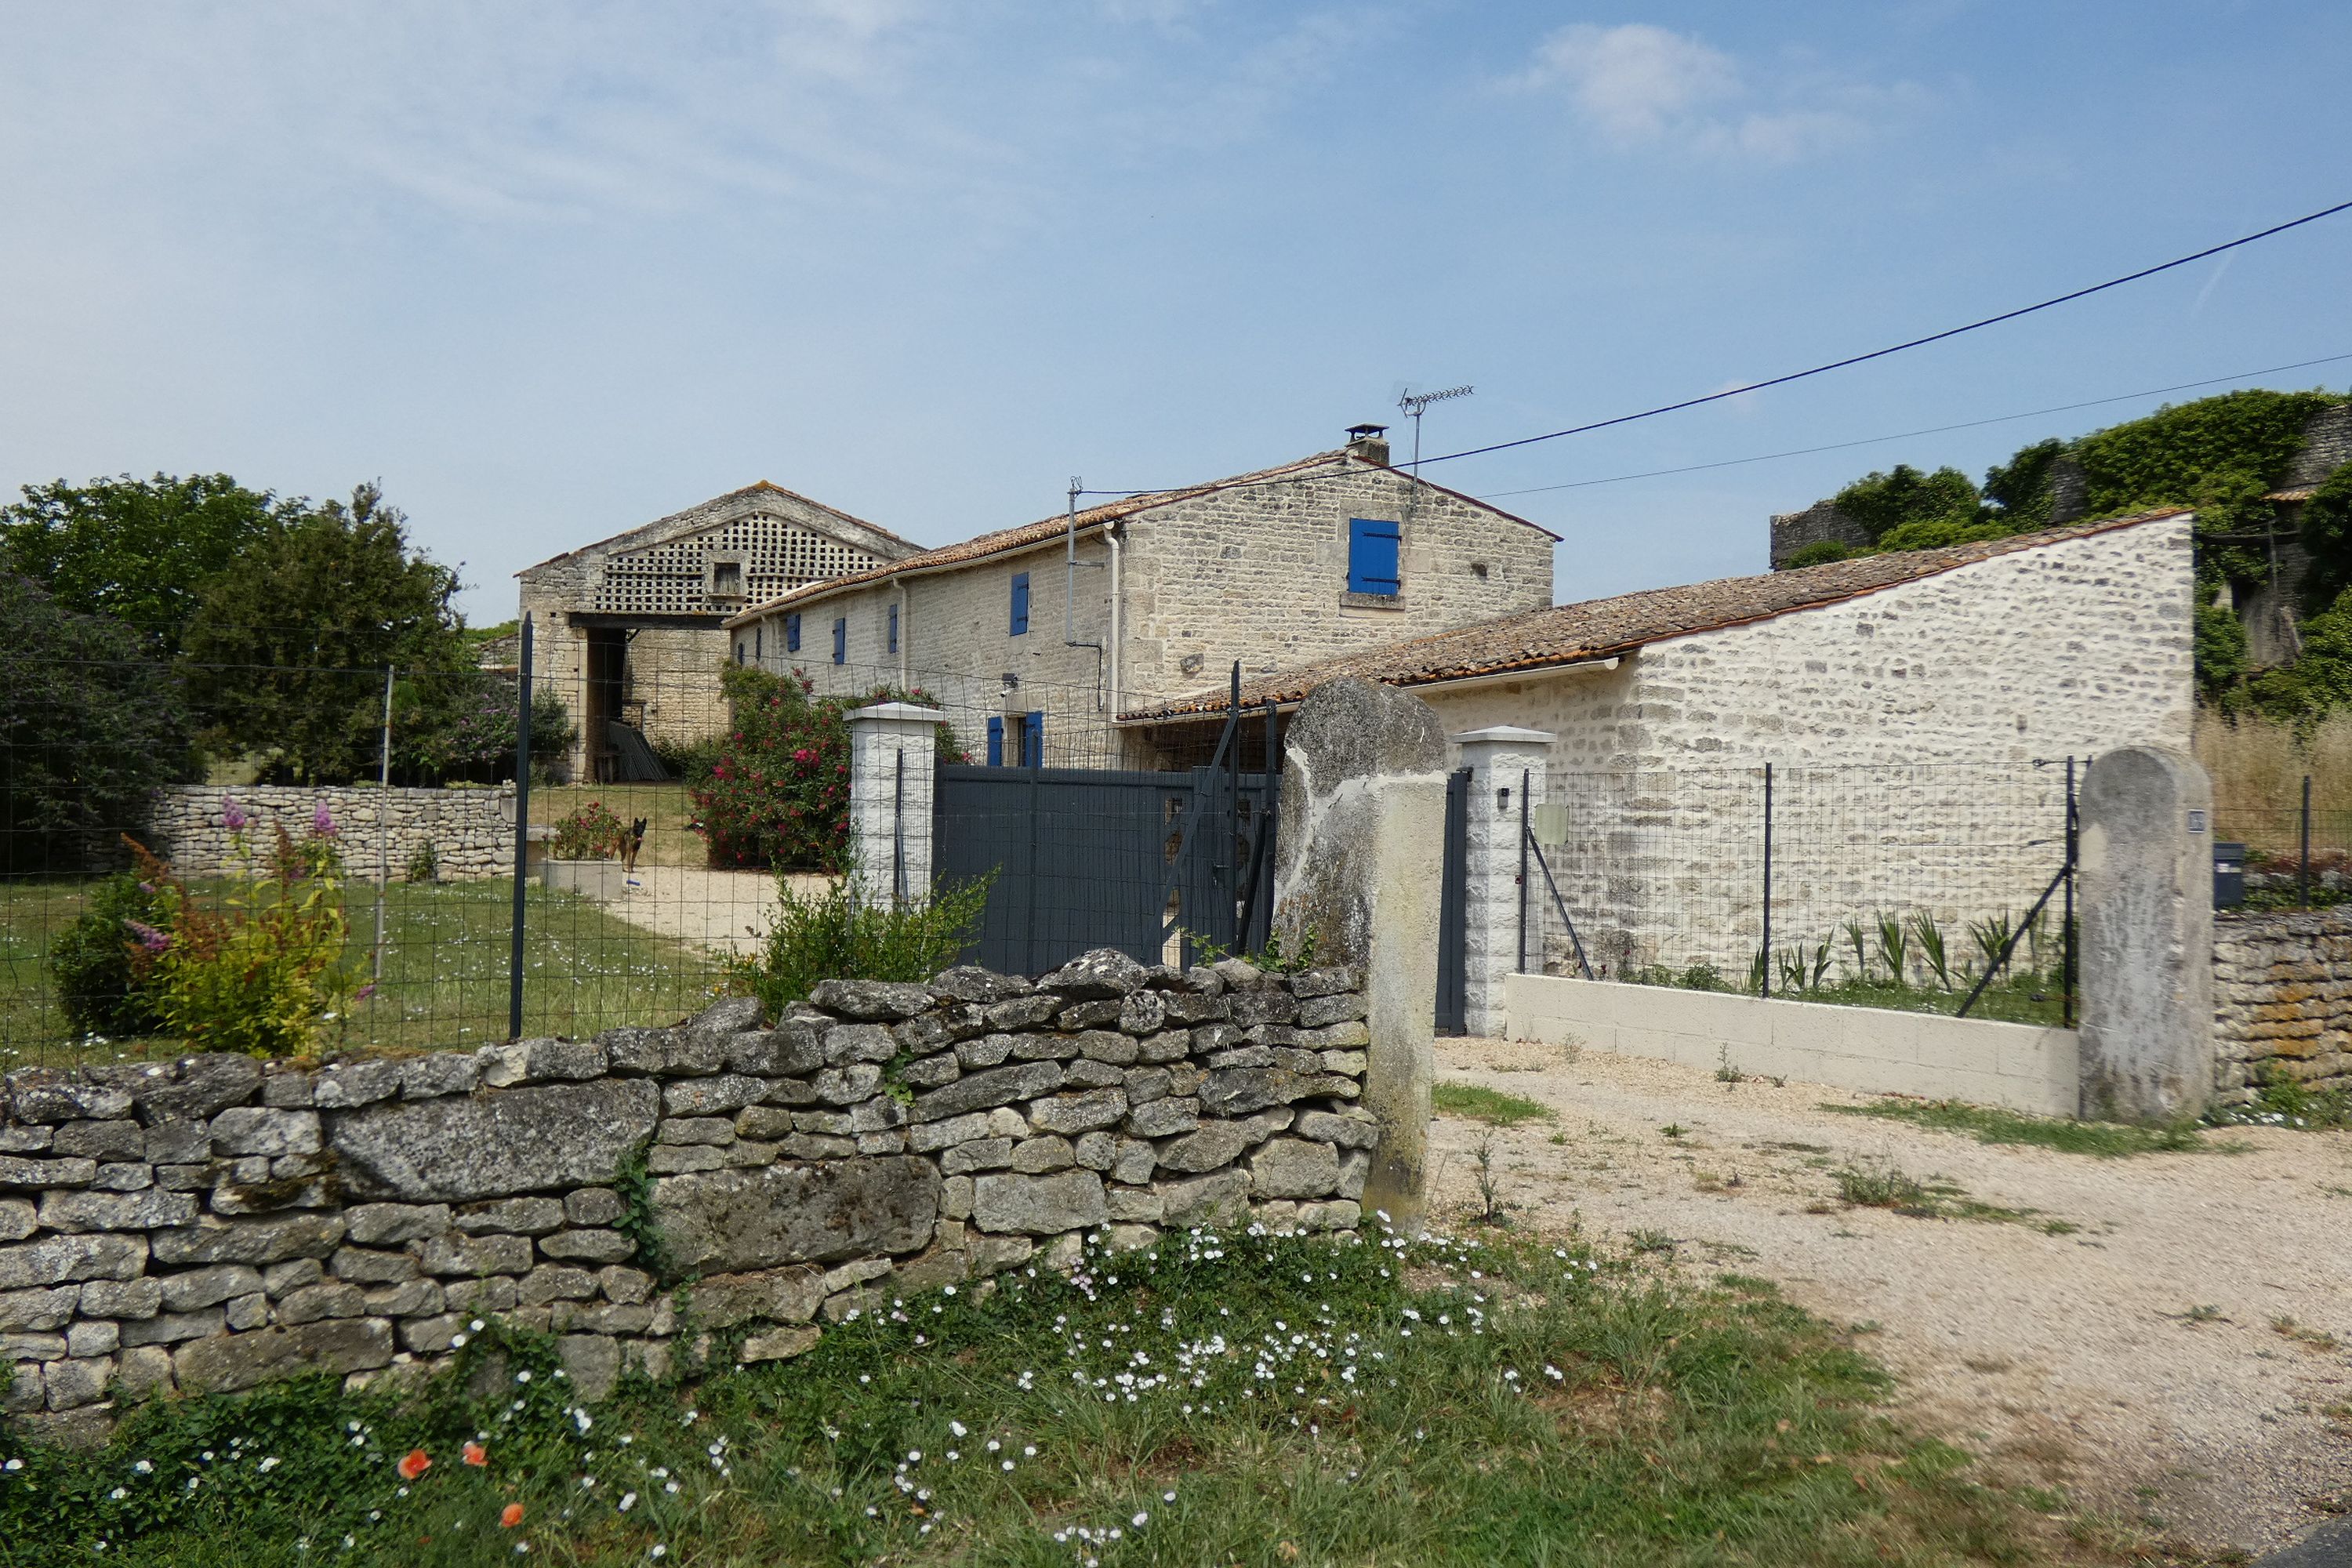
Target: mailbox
<point>2228,875</point>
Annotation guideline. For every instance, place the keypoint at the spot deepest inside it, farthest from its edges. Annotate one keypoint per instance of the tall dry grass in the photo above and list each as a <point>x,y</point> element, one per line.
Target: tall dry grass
<point>2258,767</point>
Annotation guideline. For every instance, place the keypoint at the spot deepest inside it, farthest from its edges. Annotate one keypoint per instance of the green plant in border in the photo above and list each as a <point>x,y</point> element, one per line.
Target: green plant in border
<point>842,934</point>
<point>591,833</point>
<point>633,1183</point>
<point>1894,949</point>
<point>1930,937</point>
<point>102,983</point>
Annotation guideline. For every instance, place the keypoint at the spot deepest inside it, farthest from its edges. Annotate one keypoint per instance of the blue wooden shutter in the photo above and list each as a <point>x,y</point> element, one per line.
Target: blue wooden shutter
<point>840,639</point>
<point>1372,556</point>
<point>791,634</point>
<point>996,743</point>
<point>1020,603</point>
<point>894,628</point>
<point>1033,741</point>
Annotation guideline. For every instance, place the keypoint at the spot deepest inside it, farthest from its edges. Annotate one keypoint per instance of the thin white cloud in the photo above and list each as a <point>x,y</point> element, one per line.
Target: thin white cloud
<point>1637,85</point>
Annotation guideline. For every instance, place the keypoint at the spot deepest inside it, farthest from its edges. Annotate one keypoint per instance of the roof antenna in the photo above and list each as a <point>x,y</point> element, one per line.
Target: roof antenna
<point>1412,403</point>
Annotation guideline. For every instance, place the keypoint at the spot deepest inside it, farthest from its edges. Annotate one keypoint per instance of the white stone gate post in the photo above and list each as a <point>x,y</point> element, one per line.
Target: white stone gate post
<point>1506,763</point>
<point>892,753</point>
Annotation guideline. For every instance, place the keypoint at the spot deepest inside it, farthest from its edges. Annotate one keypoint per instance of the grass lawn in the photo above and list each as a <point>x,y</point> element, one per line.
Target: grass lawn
<point>444,976</point>
<point>1255,1400</point>
<point>1490,1106</point>
<point>667,808</point>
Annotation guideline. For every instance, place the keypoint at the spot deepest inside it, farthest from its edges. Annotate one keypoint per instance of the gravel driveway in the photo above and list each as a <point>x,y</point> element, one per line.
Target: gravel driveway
<point>2165,1361</point>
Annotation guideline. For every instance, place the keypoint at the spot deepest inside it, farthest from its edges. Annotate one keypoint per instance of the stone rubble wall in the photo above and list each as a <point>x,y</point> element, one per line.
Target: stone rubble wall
<point>471,830</point>
<point>216,1222</point>
<point>2282,1000</point>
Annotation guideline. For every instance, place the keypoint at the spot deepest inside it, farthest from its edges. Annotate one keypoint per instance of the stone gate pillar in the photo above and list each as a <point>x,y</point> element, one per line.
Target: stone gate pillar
<point>2147,878</point>
<point>891,761</point>
<point>1506,763</point>
<point>1359,859</point>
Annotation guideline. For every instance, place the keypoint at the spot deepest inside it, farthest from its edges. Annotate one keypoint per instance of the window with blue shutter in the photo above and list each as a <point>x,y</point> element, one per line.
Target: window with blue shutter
<point>1032,741</point>
<point>739,650</point>
<point>996,743</point>
<point>791,634</point>
<point>1020,603</point>
<point>841,640</point>
<point>894,628</point>
<point>1372,556</point>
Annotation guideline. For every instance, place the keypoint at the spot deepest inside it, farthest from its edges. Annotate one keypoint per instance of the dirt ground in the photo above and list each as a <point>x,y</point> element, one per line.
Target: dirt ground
<point>2090,1360</point>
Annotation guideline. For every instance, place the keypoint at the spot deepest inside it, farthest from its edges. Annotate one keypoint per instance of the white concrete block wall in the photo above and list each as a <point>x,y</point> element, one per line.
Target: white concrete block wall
<point>2019,1065</point>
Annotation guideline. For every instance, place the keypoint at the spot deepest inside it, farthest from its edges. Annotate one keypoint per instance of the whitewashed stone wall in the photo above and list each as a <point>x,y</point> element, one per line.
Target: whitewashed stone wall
<point>1904,726</point>
<point>471,830</point>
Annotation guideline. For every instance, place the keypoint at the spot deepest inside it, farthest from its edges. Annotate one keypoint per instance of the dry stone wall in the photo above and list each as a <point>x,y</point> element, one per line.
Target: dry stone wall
<point>657,1198</point>
<point>2282,1000</point>
<point>471,830</point>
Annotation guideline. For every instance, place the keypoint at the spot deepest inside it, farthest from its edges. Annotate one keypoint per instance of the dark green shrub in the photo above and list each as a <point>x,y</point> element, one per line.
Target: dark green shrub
<point>101,986</point>
<point>1819,553</point>
<point>1884,502</point>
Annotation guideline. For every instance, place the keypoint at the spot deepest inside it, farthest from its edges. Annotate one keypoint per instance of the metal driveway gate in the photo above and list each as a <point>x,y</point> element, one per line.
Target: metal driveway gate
<point>1453,909</point>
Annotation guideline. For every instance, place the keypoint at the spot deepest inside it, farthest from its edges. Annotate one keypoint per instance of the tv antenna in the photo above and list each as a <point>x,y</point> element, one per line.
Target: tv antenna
<point>1413,403</point>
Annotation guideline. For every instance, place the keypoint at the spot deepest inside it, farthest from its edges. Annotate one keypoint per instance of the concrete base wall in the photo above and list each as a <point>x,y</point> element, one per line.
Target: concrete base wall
<point>2019,1065</point>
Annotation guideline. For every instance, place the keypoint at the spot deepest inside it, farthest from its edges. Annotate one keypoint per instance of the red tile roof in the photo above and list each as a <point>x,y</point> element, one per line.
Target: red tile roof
<point>1046,530</point>
<point>1603,629</point>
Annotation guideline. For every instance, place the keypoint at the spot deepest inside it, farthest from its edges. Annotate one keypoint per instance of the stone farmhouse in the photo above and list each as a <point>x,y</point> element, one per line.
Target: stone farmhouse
<point>1918,704</point>
<point>1036,636</point>
<point>631,630</point>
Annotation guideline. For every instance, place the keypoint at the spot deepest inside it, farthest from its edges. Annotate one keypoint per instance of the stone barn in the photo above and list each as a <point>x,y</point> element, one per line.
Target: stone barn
<point>631,630</point>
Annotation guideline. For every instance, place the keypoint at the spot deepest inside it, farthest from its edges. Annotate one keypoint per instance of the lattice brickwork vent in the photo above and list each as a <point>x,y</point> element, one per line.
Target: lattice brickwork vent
<point>777,556</point>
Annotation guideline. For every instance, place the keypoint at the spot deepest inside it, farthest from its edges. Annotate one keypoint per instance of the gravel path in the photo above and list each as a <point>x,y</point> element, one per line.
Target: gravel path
<point>2079,1360</point>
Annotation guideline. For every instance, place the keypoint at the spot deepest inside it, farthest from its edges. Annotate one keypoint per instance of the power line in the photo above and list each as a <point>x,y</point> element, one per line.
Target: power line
<point>1907,434</point>
<point>1851,360</point>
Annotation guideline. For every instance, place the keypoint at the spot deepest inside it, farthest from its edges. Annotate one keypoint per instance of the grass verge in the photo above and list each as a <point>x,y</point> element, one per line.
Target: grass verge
<point>1491,1106</point>
<point>1885,1186</point>
<point>1989,1124</point>
<point>1249,1400</point>
<point>446,971</point>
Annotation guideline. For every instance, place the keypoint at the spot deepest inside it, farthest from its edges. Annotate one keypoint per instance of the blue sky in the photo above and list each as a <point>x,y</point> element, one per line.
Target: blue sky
<point>552,270</point>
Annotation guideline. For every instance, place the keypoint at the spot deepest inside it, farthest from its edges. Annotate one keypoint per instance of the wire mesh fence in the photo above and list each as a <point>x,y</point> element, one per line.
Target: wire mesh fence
<point>2295,849</point>
<point>1897,885</point>
<point>298,855</point>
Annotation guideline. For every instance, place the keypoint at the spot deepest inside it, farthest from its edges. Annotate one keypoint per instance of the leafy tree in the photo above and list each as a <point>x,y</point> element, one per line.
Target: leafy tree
<point>90,729</point>
<point>2161,460</point>
<point>1884,502</point>
<point>2318,680</point>
<point>2020,489</point>
<point>2220,652</point>
<point>285,651</point>
<point>140,550</point>
<point>2326,527</point>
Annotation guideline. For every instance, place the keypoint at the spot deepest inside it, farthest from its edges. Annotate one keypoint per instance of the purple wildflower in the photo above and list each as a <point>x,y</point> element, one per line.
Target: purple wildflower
<point>364,991</point>
<point>322,821</point>
<point>151,939</point>
<point>234,817</point>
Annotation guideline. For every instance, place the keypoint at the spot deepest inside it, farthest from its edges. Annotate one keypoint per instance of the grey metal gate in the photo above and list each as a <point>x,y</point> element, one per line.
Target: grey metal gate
<point>1453,909</point>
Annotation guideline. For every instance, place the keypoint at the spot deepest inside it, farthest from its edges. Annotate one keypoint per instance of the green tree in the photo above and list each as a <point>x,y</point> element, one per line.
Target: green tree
<point>1884,502</point>
<point>91,727</point>
<point>140,550</point>
<point>285,653</point>
<point>2326,527</point>
<point>2020,489</point>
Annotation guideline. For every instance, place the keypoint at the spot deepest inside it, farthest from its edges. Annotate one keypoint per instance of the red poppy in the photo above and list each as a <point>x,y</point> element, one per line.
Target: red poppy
<point>413,1464</point>
<point>476,1455</point>
<point>511,1517</point>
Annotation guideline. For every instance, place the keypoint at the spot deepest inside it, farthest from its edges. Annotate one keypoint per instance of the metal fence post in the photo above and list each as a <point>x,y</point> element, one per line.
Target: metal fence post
<point>384,824</point>
<point>522,836</point>
<point>2303,866</point>
<point>1764,986</point>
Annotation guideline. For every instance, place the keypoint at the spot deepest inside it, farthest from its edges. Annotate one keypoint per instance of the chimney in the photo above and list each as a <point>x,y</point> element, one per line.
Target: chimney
<point>1369,442</point>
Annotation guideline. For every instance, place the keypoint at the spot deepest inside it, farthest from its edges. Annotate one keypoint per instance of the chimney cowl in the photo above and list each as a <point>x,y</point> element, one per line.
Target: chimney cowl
<point>1369,442</point>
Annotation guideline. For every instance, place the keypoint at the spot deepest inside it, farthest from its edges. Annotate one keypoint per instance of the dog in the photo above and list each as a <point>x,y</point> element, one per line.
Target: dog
<point>632,841</point>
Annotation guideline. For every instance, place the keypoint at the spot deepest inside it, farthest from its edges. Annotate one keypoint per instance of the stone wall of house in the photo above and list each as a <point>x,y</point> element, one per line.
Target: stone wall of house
<point>471,830</point>
<point>1820,523</point>
<point>1904,727</point>
<point>2282,1000</point>
<point>218,1221</point>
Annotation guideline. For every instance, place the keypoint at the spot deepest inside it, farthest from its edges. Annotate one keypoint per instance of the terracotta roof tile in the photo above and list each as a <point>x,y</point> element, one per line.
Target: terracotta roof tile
<point>1044,531</point>
<point>1603,628</point>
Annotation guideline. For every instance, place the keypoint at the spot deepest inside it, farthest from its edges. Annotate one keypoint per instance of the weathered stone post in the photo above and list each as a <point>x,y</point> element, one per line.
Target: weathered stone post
<point>2147,870</point>
<point>1505,763</point>
<point>891,756</point>
<point>1362,853</point>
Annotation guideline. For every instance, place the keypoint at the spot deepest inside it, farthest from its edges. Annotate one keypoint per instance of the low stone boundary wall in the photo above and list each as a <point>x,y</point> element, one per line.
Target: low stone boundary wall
<point>471,830</point>
<point>2282,1000</point>
<point>1875,1050</point>
<point>218,1221</point>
